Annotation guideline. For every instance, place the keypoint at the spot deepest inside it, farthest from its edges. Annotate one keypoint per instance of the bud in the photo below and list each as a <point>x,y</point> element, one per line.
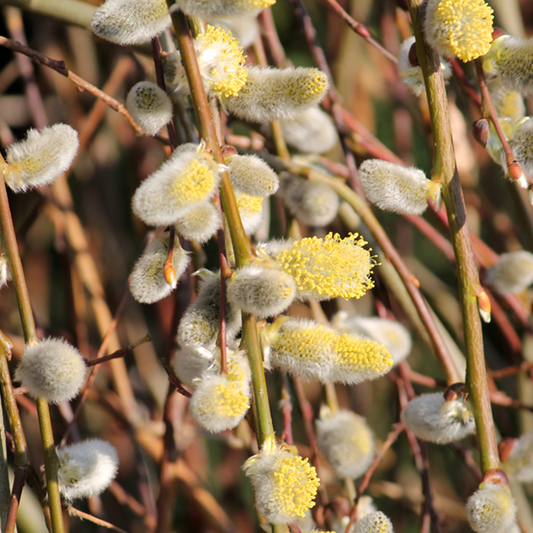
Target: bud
<point>347,442</point>
<point>276,94</point>
<point>222,8</point>
<point>220,400</point>
<point>324,268</point>
<point>480,130</point>
<point>200,325</point>
<point>284,484</point>
<point>149,106</point>
<point>312,351</point>
<point>509,61</point>
<point>409,69</point>
<point>128,22</point>
<point>392,334</point>
<point>86,468</point>
<point>513,272</point>
<point>491,509</point>
<point>376,522</point>
<point>262,289</point>
<point>251,175</point>
<point>398,189</point>
<point>430,417</point>
<point>313,204</point>
<point>461,28</point>
<point>147,281</point>
<point>250,210</point>
<point>220,60</point>
<point>200,223</point>
<point>41,158</point>
<point>187,179</point>
<point>52,370</point>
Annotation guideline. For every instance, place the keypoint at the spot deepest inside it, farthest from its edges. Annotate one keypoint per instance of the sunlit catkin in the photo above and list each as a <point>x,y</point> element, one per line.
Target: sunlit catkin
<point>325,268</point>
<point>127,22</point>
<point>251,175</point>
<point>262,289</point>
<point>491,509</point>
<point>86,468</point>
<point>510,60</point>
<point>513,272</point>
<point>312,351</point>
<point>521,144</point>
<point>149,106</point>
<point>432,418</point>
<point>395,188</point>
<point>251,211</point>
<point>200,223</point>
<point>147,283</point>
<point>461,28</point>
<point>41,158</point>
<point>274,94</point>
<point>508,104</point>
<point>52,370</point>
<point>200,325</point>
<point>519,463</point>
<point>284,484</point>
<point>346,441</point>
<point>222,8</point>
<point>187,179</point>
<point>376,522</point>
<point>313,204</point>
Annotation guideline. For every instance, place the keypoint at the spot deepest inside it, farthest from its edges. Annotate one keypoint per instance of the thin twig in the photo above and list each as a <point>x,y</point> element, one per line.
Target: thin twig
<point>95,520</point>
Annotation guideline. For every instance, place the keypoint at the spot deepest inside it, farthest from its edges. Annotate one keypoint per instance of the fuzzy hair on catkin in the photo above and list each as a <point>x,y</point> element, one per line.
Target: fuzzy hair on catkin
<point>200,223</point>
<point>433,419</point>
<point>128,22</point>
<point>191,362</point>
<point>86,468</point>
<point>276,94</point>
<point>261,290</point>
<point>513,272</point>
<point>52,370</point>
<point>313,204</point>
<point>200,324</point>
<point>223,8</point>
<point>521,144</point>
<point>346,441</point>
<point>396,188</point>
<point>491,509</point>
<point>188,178</point>
<point>5,274</point>
<point>376,522</point>
<point>519,463</point>
<point>149,106</point>
<point>41,158</point>
<point>250,210</point>
<point>251,175</point>
<point>508,104</point>
<point>147,282</point>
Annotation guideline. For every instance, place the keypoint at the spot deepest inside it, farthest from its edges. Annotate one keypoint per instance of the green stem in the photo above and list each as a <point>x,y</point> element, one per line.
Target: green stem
<point>469,287</point>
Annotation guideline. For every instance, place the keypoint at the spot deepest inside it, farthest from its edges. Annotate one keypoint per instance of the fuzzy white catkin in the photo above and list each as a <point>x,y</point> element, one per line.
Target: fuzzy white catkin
<point>250,209</point>
<point>147,283</point>
<point>41,158</point>
<point>251,175</point>
<point>149,106</point>
<point>376,522</point>
<point>200,223</point>
<point>433,419</point>
<point>313,204</point>
<point>346,441</point>
<point>191,362</point>
<point>275,94</point>
<point>521,144</point>
<point>395,188</point>
<point>222,8</point>
<point>86,468</point>
<point>519,463</point>
<point>52,370</point>
<point>188,178</point>
<point>128,22</point>
<point>508,104</point>
<point>513,272</point>
<point>261,291</point>
<point>491,509</point>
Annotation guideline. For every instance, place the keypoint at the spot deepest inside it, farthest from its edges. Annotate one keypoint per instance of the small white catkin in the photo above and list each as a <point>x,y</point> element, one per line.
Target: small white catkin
<point>149,106</point>
<point>519,463</point>
<point>346,441</point>
<point>128,22</point>
<point>52,370</point>
<point>251,175</point>
<point>275,94</point>
<point>432,418</point>
<point>191,362</point>
<point>261,290</point>
<point>147,283</point>
<point>222,8</point>
<point>313,204</point>
<point>513,272</point>
<point>41,158</point>
<point>395,188</point>
<point>376,522</point>
<point>491,509</point>
<point>86,468</point>
<point>200,223</point>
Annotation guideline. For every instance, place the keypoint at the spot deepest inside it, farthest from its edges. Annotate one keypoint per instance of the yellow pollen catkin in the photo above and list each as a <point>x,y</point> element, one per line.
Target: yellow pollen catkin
<point>248,203</point>
<point>195,183</point>
<point>227,400</point>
